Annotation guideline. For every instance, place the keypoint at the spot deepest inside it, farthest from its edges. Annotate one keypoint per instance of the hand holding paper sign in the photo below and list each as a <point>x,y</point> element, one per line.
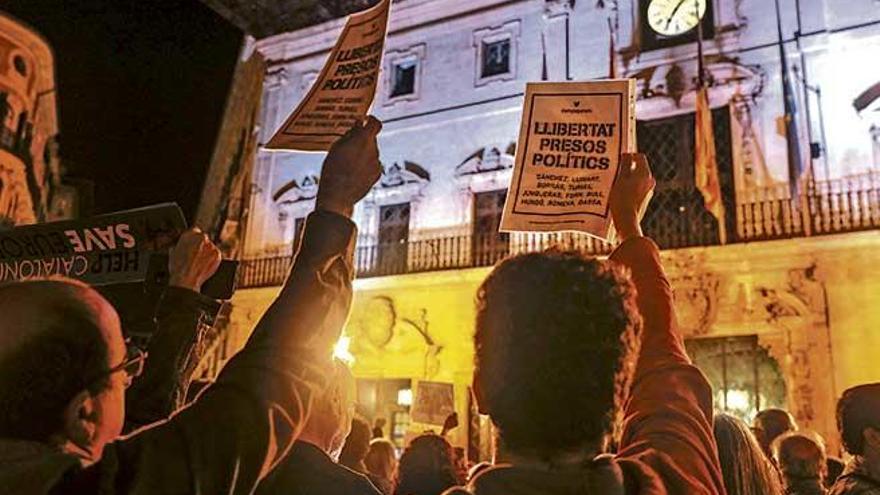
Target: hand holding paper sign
<point>630,194</point>
<point>351,168</point>
<point>193,260</point>
<point>345,88</point>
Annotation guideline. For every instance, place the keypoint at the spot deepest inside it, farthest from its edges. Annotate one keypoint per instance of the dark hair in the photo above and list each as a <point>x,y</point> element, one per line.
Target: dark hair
<point>427,467</point>
<point>771,423</point>
<point>858,409</point>
<point>800,456</point>
<point>744,467</point>
<point>556,343</point>
<point>356,446</point>
<point>53,363</point>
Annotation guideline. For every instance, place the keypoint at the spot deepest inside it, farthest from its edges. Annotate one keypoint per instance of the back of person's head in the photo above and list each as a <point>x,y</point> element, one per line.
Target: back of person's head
<point>330,418</point>
<point>356,446</point>
<point>744,466</point>
<point>427,467</point>
<point>799,456</point>
<point>57,340</point>
<point>770,423</point>
<point>858,418</point>
<point>556,342</point>
<point>381,459</point>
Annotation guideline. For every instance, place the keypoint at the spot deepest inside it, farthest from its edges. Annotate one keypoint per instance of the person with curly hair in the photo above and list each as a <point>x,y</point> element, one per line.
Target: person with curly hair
<point>572,351</point>
<point>427,467</point>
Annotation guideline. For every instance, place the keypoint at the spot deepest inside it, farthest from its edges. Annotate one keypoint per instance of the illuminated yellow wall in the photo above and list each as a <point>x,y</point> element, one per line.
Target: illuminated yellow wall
<point>812,302</point>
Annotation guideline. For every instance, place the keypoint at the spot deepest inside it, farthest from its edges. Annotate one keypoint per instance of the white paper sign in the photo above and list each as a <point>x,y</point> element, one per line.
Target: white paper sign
<point>344,91</point>
<point>571,139</point>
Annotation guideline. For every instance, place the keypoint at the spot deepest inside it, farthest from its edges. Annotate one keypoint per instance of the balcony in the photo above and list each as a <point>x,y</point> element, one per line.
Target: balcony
<point>825,207</point>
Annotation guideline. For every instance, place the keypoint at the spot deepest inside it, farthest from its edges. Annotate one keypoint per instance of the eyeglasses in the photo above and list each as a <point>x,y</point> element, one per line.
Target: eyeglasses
<point>132,365</point>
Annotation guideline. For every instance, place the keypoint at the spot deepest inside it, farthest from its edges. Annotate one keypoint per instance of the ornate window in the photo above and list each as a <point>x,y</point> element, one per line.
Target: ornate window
<point>744,377</point>
<point>496,53</point>
<point>385,218</point>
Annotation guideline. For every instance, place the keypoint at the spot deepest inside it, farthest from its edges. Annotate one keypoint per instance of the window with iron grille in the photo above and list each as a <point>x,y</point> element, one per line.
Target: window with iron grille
<point>677,216</point>
<point>744,377</point>
<point>489,245</point>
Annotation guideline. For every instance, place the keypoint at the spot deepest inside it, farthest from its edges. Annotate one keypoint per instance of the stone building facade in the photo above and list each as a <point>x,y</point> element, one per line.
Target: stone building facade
<point>784,315</point>
<point>30,175</point>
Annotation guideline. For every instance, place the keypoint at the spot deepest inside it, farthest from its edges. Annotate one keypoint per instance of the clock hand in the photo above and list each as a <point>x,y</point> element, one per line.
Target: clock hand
<point>672,15</point>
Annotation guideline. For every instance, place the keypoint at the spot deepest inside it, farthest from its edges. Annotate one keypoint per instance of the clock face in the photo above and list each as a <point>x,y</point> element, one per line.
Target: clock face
<point>675,17</point>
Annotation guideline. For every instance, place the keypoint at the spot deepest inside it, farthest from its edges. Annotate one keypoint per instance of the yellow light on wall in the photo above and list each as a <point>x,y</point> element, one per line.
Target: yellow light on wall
<point>341,350</point>
<point>405,397</point>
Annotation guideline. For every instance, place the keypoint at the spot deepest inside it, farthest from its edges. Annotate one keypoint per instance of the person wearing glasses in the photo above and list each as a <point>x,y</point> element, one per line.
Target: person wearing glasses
<point>64,368</point>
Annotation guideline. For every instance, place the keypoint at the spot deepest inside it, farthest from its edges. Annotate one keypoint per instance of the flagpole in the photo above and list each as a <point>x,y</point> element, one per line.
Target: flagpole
<point>700,68</point>
<point>794,156</point>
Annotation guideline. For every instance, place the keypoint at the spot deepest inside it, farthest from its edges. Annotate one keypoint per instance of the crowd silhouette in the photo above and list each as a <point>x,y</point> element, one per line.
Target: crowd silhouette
<point>579,365</point>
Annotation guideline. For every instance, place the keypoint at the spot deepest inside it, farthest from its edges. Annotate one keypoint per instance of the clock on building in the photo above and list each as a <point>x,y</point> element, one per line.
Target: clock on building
<point>665,23</point>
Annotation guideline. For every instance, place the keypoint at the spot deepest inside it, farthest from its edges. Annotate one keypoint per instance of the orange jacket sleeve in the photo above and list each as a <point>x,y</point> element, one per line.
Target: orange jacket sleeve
<point>668,416</point>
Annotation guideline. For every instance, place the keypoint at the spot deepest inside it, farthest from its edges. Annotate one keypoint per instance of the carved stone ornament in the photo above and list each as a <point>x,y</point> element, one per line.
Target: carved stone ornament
<point>696,293</point>
<point>382,332</point>
<point>295,191</point>
<point>401,175</point>
<point>487,160</point>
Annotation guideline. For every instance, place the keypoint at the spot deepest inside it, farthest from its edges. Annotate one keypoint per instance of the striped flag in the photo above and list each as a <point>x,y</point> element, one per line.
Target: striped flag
<point>705,164</point>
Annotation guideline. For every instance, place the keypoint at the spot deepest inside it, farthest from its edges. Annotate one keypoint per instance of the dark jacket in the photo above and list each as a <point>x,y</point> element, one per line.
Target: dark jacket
<point>309,471</point>
<point>855,481</point>
<point>242,425</point>
<point>667,444</point>
<point>183,319</point>
<point>805,486</point>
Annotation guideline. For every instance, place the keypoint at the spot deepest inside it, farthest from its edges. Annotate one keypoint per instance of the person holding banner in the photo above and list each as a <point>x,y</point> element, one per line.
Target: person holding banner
<point>573,351</point>
<point>183,317</point>
<point>64,370</point>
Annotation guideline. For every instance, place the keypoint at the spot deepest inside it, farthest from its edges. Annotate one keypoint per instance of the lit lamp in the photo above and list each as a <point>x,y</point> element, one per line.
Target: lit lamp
<point>405,397</point>
<point>341,350</point>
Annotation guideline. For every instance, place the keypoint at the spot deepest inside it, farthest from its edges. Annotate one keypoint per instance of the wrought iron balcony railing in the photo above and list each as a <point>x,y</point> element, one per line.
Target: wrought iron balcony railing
<point>825,207</point>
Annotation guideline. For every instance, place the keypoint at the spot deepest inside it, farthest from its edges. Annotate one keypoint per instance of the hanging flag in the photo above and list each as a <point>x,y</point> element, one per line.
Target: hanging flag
<point>705,164</point>
<point>795,164</point>
<point>612,55</point>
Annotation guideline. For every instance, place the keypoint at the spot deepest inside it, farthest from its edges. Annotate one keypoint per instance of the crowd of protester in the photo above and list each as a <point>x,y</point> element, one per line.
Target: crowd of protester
<point>579,365</point>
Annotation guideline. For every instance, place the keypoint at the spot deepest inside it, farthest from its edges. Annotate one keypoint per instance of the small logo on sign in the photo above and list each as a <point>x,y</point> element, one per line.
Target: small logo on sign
<point>576,103</point>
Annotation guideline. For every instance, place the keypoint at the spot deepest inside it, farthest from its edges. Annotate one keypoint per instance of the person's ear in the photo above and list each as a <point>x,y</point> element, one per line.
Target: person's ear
<point>81,421</point>
<point>482,406</point>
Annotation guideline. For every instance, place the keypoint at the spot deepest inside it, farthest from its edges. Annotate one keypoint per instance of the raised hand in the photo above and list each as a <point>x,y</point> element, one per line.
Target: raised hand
<point>351,168</point>
<point>627,197</point>
<point>193,260</point>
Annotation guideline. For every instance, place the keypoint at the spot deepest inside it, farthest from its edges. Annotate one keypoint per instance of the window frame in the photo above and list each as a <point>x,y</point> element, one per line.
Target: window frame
<point>393,58</point>
<point>510,32</point>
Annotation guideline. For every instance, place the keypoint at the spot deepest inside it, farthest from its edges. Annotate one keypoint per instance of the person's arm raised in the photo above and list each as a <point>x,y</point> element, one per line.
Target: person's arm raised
<point>660,339</point>
<point>182,317</point>
<point>241,426</point>
<point>668,415</point>
<point>314,302</point>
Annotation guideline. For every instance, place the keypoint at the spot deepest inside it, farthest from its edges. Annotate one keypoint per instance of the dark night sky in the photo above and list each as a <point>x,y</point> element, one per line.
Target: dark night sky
<point>141,90</point>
